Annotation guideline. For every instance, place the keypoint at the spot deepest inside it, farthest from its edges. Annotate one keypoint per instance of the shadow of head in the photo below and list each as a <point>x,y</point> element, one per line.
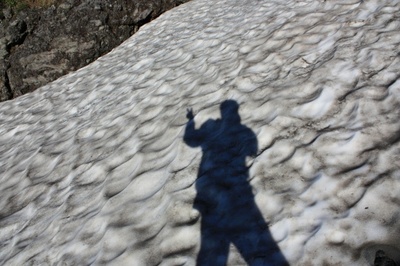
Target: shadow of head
<point>230,111</point>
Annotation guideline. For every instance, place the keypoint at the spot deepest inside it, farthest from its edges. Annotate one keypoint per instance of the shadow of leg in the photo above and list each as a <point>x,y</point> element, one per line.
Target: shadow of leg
<point>214,249</point>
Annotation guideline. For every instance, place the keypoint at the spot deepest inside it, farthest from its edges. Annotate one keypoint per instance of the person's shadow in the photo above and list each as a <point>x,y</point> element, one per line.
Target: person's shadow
<point>224,196</point>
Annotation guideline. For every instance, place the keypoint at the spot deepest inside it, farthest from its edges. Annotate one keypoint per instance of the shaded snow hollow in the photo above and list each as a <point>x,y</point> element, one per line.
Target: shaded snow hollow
<point>97,167</point>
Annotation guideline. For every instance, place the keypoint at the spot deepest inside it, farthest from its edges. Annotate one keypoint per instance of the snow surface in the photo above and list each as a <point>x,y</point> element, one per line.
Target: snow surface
<point>94,168</point>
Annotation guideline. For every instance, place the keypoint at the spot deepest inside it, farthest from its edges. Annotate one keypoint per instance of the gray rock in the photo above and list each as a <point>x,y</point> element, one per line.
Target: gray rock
<point>382,260</point>
<point>17,32</point>
<point>38,46</point>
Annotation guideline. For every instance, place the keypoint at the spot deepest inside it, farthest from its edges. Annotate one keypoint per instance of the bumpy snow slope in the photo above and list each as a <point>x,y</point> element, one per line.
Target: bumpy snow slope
<point>94,167</point>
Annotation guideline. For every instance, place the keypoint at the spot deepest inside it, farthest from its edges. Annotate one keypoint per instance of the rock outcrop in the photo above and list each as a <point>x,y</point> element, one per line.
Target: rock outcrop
<point>40,45</point>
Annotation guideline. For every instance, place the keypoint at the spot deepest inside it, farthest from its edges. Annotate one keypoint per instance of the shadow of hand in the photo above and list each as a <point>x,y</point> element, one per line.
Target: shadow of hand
<point>189,114</point>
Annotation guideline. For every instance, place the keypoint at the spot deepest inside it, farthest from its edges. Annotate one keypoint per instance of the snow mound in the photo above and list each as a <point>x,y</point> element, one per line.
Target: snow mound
<point>96,167</point>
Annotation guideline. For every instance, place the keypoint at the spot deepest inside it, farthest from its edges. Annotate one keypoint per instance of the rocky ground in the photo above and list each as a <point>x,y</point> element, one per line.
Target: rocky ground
<point>38,45</point>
